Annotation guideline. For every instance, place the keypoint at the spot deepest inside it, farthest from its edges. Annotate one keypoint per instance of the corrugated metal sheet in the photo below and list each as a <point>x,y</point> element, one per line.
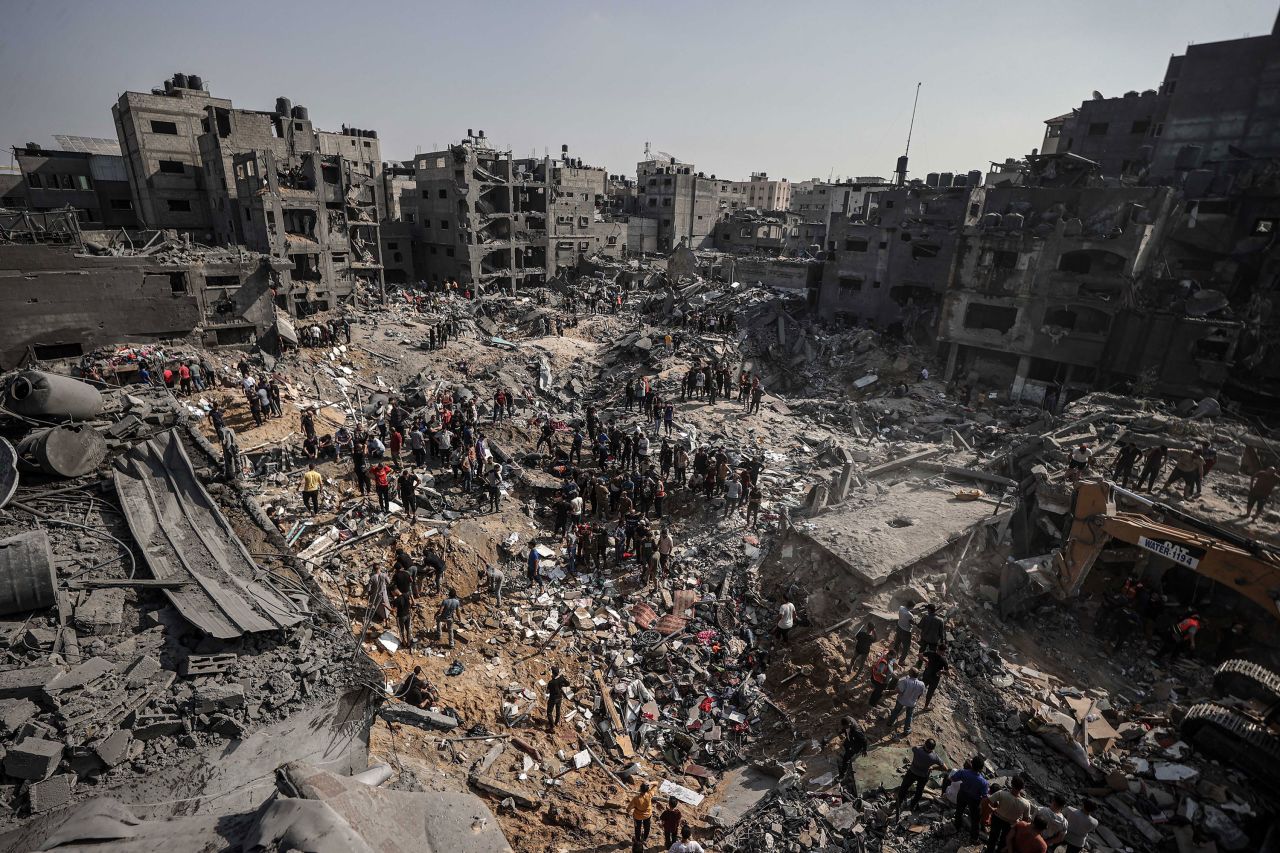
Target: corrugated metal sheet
<point>183,535</point>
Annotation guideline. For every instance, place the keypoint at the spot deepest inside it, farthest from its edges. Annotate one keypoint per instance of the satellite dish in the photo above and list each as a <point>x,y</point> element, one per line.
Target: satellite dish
<point>1097,96</point>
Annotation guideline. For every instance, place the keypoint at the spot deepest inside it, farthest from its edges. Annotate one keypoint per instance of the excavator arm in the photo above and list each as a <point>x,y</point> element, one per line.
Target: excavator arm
<point>1252,572</point>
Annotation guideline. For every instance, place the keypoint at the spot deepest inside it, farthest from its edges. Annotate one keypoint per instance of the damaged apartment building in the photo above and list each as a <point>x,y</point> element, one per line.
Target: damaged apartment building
<point>266,180</point>
<point>481,216</point>
<point>65,292</point>
<point>1065,286</point>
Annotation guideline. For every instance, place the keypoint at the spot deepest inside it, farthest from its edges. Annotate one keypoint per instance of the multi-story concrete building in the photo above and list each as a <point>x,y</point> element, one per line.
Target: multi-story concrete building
<point>399,188</point>
<point>686,204</point>
<point>159,134</point>
<point>754,232</point>
<point>1119,134</point>
<point>815,202</point>
<point>85,174</point>
<point>1047,291</point>
<point>276,184</point>
<point>888,267</point>
<point>484,217</point>
<point>762,193</point>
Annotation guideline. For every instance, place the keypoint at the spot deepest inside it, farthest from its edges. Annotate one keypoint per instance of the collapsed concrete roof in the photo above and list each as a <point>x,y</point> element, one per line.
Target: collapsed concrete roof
<point>876,537</point>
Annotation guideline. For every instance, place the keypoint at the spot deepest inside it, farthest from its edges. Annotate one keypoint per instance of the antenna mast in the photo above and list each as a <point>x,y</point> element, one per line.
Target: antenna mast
<point>900,173</point>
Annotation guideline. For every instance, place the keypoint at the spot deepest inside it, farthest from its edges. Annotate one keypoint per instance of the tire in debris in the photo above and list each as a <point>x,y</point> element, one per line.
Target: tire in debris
<point>1233,738</point>
<point>1246,680</point>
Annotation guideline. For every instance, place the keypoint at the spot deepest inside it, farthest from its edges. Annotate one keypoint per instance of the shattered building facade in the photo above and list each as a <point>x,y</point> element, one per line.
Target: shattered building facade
<point>308,198</point>
<point>65,292</point>
<point>484,217</point>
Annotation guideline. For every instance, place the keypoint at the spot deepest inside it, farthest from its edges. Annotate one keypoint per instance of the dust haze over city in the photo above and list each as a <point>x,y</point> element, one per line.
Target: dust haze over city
<point>575,427</point>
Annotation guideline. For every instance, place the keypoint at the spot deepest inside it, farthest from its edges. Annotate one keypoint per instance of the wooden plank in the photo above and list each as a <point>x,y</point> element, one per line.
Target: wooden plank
<point>619,733</point>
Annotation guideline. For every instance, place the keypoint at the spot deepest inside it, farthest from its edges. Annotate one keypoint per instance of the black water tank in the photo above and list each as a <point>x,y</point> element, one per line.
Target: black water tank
<point>299,113</point>
<point>283,106</point>
<point>194,82</point>
<point>931,179</point>
<point>179,81</point>
<point>975,178</point>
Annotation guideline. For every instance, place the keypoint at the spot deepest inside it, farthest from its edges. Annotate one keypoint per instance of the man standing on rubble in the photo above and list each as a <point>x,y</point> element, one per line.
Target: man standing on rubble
<point>381,474</point>
<point>973,787</point>
<point>881,672</point>
<point>862,643</point>
<point>1008,807</point>
<point>853,745</point>
<point>447,615</point>
<point>641,809</point>
<point>932,630</point>
<point>923,760</point>
<point>1125,460</point>
<point>407,482</point>
<point>935,664</point>
<point>555,696</point>
<point>1151,467</point>
<point>910,689</point>
<point>1261,485</point>
<point>311,483</point>
<point>902,637</point>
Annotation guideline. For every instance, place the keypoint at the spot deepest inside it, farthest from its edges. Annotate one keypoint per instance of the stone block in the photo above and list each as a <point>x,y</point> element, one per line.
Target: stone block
<point>15,712</point>
<point>51,793</point>
<point>148,726</point>
<point>114,748</point>
<point>34,759</point>
<point>211,697</point>
<point>102,612</point>
<point>26,681</point>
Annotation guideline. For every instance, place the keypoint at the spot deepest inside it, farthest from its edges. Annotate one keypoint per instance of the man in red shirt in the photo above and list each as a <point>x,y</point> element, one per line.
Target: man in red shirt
<point>1025,837</point>
<point>381,474</point>
<point>395,443</point>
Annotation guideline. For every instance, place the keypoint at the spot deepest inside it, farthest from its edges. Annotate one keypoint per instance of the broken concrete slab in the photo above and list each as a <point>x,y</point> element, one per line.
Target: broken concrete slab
<point>15,712</point>
<point>502,790</point>
<point>34,759</point>
<point>399,712</point>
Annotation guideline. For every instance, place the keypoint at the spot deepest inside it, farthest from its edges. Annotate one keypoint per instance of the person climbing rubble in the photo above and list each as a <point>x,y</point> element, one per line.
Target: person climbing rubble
<point>923,761</point>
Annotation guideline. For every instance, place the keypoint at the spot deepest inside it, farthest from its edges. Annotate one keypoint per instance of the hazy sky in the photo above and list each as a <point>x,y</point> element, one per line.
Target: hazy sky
<point>799,89</point>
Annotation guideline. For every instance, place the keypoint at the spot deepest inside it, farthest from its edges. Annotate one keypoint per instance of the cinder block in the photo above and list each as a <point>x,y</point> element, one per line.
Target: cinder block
<point>52,792</point>
<point>15,712</point>
<point>114,747</point>
<point>34,759</point>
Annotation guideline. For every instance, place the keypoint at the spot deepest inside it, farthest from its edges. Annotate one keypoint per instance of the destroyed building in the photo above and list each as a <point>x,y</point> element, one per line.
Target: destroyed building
<point>752,231</point>
<point>231,176</point>
<point>83,173</point>
<point>1043,295</point>
<point>159,134</point>
<point>889,266</point>
<point>399,188</point>
<point>485,218</point>
<point>306,198</point>
<point>71,291</point>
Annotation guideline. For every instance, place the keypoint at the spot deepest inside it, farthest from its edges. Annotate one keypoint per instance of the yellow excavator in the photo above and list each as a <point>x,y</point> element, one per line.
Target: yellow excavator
<point>1242,724</point>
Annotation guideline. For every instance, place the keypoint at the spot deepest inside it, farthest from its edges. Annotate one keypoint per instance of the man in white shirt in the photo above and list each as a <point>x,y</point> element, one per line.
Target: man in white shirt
<point>786,621</point>
<point>1080,822</point>
<point>910,689</point>
<point>902,639</point>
